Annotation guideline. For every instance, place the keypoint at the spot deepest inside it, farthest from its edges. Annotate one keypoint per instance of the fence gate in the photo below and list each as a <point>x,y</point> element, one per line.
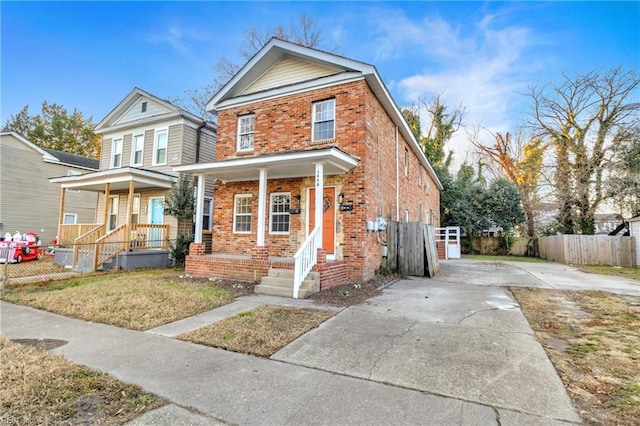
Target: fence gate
<point>412,249</point>
<point>448,242</point>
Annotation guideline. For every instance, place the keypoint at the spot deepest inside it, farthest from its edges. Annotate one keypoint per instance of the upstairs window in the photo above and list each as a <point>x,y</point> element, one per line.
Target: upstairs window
<point>242,214</point>
<point>324,117</point>
<point>137,147</point>
<point>279,213</point>
<point>160,147</point>
<point>246,132</point>
<point>116,153</point>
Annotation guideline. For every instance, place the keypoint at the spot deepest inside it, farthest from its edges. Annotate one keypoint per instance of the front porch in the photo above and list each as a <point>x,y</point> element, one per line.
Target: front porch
<point>257,267</point>
<point>120,233</point>
<point>250,238</point>
<point>87,248</point>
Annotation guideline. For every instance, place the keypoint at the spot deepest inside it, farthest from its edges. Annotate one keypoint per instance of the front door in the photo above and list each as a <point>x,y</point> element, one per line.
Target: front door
<point>328,217</point>
<point>156,217</point>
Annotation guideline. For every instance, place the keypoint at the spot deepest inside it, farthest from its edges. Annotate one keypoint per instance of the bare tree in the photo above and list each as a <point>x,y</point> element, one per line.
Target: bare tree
<point>579,118</point>
<point>518,160</point>
<point>305,31</point>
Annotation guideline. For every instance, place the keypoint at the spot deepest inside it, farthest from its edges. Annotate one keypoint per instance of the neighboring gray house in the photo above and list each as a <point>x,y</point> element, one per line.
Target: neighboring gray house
<point>28,202</point>
<point>143,138</point>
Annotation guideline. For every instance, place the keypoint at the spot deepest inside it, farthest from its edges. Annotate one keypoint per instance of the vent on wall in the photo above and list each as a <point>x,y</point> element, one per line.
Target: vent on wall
<point>144,107</point>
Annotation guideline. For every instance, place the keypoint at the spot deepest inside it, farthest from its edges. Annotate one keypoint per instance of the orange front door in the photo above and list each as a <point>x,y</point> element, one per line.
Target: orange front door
<point>328,217</point>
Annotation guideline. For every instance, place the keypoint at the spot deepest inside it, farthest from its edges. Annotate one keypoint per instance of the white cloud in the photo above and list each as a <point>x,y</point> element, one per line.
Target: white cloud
<point>481,65</point>
<point>179,39</point>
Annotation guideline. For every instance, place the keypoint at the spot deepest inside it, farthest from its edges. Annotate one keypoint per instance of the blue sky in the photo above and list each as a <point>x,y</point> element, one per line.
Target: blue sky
<point>89,55</point>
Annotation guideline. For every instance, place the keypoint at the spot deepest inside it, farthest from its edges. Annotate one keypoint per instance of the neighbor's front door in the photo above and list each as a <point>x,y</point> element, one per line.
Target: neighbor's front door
<point>328,217</point>
<point>156,217</point>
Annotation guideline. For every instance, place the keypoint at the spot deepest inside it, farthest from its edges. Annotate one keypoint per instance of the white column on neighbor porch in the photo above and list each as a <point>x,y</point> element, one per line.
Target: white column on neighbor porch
<point>319,187</point>
<point>199,208</point>
<point>262,207</point>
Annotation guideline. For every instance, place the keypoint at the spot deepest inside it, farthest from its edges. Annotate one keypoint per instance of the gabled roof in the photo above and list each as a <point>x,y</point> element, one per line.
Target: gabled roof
<point>58,157</point>
<point>337,70</point>
<point>159,109</point>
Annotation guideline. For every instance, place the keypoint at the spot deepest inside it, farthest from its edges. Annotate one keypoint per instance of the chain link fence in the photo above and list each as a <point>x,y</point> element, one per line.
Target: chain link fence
<point>24,263</point>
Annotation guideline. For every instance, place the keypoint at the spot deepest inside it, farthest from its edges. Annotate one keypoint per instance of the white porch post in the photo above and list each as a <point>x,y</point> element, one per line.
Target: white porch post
<point>199,209</point>
<point>319,187</point>
<point>262,207</point>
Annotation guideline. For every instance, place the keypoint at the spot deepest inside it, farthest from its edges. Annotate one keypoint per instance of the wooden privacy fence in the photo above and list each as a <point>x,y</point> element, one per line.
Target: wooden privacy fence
<point>589,250</point>
<point>412,249</point>
<point>518,246</point>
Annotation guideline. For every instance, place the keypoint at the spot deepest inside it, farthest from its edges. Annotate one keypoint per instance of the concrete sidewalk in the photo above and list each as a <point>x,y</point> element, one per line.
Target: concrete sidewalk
<point>452,350</point>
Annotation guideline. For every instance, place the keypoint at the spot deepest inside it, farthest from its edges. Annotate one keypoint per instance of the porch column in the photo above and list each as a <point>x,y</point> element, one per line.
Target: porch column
<point>262,207</point>
<point>63,192</point>
<point>127,239</point>
<point>105,217</point>
<point>319,187</point>
<point>199,209</point>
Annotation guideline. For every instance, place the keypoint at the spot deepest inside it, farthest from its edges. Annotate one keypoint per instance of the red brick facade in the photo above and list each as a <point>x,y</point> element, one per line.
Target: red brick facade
<point>384,184</point>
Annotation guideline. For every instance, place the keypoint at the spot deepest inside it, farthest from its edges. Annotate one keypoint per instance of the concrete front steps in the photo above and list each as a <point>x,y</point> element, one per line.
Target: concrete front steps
<point>279,282</point>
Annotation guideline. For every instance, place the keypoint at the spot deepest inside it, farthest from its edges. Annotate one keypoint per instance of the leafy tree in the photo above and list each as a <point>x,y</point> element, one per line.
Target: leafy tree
<point>579,118</point>
<point>305,32</point>
<point>56,129</point>
<point>480,207</point>
<point>520,162</point>
<point>443,123</point>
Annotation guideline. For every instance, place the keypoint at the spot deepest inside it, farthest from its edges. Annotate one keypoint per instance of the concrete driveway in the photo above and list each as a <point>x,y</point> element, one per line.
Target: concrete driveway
<point>460,335</point>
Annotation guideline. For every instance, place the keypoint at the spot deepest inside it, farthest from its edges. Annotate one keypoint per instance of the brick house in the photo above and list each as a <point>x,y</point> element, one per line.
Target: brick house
<point>312,155</point>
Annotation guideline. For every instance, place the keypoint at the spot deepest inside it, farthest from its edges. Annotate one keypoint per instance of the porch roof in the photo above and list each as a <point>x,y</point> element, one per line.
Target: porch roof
<point>118,178</point>
<point>292,164</point>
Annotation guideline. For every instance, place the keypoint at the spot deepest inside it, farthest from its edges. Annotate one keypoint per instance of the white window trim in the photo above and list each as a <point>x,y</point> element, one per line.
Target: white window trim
<point>235,215</point>
<point>114,142</point>
<point>133,150</point>
<point>239,134</point>
<point>75,218</point>
<point>313,120</point>
<point>158,132</point>
<point>271,197</point>
<point>210,213</point>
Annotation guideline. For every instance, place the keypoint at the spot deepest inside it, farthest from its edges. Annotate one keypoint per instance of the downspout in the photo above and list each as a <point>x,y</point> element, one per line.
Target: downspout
<point>397,179</point>
<point>198,133</point>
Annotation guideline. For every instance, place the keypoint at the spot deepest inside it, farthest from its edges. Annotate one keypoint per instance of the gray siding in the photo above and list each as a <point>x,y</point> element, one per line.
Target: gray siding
<point>135,113</point>
<point>28,202</point>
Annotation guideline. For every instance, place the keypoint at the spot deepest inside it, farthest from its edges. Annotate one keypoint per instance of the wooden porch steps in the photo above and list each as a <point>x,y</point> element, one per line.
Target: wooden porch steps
<point>279,282</point>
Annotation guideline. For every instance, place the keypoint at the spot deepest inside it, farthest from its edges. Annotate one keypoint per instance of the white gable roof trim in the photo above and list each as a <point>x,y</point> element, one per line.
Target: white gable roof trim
<point>275,50</point>
<point>109,122</point>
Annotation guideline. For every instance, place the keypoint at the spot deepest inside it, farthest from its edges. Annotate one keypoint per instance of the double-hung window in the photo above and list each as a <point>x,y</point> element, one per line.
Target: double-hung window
<point>324,120</point>
<point>116,153</point>
<point>246,132</point>
<point>279,213</point>
<point>160,147</point>
<point>137,147</point>
<point>242,214</point>
<point>206,214</point>
<point>112,218</point>
<point>135,210</point>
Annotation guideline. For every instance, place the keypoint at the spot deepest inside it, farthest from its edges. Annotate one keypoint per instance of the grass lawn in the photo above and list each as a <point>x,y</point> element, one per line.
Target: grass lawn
<point>39,387</point>
<point>137,300</point>
<point>491,258</point>
<point>632,273</point>
<point>593,340</point>
<point>260,332</point>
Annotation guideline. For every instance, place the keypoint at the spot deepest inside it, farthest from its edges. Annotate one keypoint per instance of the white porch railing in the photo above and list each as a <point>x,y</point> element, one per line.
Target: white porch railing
<point>305,259</point>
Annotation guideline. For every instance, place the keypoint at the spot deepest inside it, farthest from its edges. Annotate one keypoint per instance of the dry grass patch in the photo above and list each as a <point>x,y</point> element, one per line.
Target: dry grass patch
<point>260,332</point>
<point>138,300</point>
<point>593,340</point>
<point>42,388</point>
